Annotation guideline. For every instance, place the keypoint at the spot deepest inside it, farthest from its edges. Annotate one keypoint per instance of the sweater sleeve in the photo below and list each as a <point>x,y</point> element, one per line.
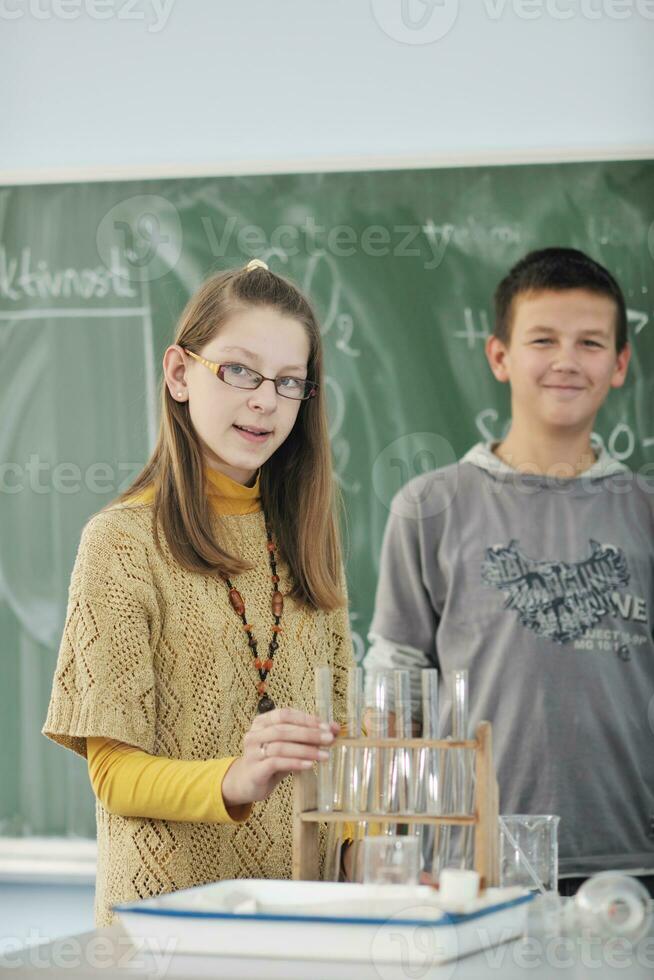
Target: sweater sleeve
<point>132,783</point>
<point>104,679</point>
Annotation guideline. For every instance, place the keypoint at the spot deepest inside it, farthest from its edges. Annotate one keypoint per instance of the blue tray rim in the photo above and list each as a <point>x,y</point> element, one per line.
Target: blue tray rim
<point>448,918</point>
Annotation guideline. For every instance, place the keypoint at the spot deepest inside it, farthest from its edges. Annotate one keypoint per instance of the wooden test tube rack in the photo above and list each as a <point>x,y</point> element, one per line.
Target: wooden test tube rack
<point>306,817</point>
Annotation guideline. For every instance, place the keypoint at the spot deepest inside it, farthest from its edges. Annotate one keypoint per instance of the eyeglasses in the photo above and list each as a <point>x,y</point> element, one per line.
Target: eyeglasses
<point>240,376</point>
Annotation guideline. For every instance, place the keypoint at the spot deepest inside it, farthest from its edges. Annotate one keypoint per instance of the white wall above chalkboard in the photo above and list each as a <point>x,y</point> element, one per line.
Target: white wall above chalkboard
<point>252,86</point>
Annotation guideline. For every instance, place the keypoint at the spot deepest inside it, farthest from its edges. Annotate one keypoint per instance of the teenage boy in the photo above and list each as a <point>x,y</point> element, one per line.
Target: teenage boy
<point>531,563</point>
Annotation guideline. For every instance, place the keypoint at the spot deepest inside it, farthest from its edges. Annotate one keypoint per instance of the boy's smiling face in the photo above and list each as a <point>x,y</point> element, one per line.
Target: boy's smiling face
<point>561,360</point>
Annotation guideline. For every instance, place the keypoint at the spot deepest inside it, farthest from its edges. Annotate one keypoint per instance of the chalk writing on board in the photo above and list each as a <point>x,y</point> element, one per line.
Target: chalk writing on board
<point>22,277</point>
<point>341,322</point>
<point>341,455</point>
<point>315,264</point>
<point>274,253</point>
<point>621,442</point>
<point>468,236</point>
<point>439,237</point>
<point>477,328</point>
<point>341,449</point>
<point>474,330</point>
<point>345,326</point>
<point>344,322</point>
<point>488,417</point>
<point>637,319</point>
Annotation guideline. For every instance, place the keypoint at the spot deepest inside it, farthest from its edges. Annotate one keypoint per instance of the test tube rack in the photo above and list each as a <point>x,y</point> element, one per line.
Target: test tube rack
<point>306,817</point>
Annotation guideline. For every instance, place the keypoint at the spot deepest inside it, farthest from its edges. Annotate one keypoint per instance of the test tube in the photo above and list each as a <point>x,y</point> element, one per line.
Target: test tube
<point>430,731</point>
<point>346,773</point>
<point>379,772</point>
<point>324,710</point>
<point>462,762</point>
<point>404,800</point>
<point>353,756</point>
<point>353,761</point>
<point>428,790</point>
<point>460,722</point>
<point>452,844</point>
<point>429,682</point>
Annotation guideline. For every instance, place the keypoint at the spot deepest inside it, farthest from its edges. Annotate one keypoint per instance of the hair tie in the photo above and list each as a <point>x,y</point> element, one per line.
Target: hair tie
<point>256,264</point>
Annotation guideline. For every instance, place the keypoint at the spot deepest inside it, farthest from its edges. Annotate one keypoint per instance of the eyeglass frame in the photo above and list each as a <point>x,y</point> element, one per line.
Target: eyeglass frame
<point>215,368</point>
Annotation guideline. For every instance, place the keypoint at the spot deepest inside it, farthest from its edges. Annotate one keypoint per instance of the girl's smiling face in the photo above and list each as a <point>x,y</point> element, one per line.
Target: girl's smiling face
<point>241,428</point>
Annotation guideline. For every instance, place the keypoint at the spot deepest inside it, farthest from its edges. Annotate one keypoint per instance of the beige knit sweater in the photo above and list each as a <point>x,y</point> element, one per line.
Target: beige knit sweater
<point>154,656</point>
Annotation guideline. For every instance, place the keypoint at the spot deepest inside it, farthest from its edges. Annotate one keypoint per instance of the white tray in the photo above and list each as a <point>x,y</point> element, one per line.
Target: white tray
<point>324,921</point>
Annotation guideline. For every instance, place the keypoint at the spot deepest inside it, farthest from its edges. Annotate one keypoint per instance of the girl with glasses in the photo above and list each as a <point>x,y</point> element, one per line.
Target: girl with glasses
<point>201,602</point>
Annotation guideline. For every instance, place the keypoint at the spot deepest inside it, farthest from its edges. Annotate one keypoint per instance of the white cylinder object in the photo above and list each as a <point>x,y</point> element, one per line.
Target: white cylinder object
<point>458,886</point>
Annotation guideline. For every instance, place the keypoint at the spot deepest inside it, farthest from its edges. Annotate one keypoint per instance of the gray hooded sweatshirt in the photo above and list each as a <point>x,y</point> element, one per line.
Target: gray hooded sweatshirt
<point>544,590</point>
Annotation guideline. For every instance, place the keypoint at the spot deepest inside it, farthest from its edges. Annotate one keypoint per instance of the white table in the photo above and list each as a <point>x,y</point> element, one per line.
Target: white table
<point>108,954</point>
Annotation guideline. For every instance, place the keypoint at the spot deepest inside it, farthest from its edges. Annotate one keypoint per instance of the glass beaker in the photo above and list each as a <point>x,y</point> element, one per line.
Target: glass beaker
<point>529,851</point>
<point>391,860</point>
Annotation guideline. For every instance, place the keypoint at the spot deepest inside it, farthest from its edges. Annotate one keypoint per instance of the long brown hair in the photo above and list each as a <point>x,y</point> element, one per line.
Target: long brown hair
<point>298,492</point>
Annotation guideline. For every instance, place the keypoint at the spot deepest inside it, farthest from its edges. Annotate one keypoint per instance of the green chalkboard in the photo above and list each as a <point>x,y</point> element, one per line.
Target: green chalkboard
<point>401,267</point>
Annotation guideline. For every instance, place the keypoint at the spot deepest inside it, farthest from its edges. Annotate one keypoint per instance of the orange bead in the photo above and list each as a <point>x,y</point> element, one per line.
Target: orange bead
<point>267,664</point>
<point>277,629</point>
<point>247,627</point>
<point>261,687</point>
<point>275,578</point>
<point>270,546</point>
<point>277,603</point>
<point>258,664</point>
<point>237,601</point>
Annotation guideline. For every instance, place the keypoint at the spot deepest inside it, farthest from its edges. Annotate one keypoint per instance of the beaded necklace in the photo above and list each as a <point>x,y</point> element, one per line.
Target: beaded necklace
<point>264,667</point>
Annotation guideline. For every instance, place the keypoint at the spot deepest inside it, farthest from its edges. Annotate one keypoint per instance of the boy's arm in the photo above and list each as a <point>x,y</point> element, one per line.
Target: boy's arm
<point>385,655</point>
<point>403,629</point>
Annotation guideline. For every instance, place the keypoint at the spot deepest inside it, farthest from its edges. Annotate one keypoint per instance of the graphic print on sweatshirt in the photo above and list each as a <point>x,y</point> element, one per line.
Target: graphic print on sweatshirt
<point>561,601</point>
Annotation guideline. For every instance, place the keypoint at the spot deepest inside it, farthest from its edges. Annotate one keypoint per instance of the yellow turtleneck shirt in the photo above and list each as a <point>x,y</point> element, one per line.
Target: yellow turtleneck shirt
<point>155,685</point>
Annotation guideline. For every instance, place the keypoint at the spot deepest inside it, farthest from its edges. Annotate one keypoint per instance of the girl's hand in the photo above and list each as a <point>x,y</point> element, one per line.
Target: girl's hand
<point>280,742</point>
